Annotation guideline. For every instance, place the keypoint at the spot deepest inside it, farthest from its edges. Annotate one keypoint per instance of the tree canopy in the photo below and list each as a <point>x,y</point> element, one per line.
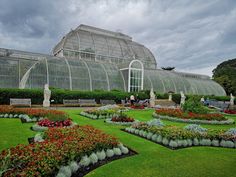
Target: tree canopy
<point>225,75</point>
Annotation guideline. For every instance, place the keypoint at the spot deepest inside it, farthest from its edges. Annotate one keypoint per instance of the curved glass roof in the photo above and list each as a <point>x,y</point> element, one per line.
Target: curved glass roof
<point>33,71</point>
<point>107,46</point>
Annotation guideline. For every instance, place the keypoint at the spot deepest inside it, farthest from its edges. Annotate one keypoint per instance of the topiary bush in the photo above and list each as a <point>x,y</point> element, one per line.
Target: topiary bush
<point>109,153</point>
<point>117,151</point>
<point>65,170</point>
<point>165,141</point>
<point>195,142</point>
<point>154,137</point>
<point>124,150</point>
<point>101,155</point>
<point>149,135</point>
<point>173,144</point>
<point>73,166</point>
<point>215,143</point>
<point>93,158</point>
<point>85,161</point>
<point>159,139</point>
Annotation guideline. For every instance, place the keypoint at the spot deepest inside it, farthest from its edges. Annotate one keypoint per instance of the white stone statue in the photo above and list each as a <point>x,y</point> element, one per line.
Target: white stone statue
<point>170,96</point>
<point>231,99</point>
<point>47,96</point>
<point>202,100</point>
<point>182,101</point>
<point>152,98</point>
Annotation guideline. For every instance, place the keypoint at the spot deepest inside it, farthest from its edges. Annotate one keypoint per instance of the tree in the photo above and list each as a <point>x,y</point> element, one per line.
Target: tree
<point>169,68</point>
<point>225,75</point>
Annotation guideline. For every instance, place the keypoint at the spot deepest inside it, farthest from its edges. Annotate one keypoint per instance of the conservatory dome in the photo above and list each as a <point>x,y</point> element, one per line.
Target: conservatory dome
<point>90,43</point>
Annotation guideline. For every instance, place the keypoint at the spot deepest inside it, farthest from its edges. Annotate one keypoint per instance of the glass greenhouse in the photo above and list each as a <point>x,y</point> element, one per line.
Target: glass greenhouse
<point>90,58</point>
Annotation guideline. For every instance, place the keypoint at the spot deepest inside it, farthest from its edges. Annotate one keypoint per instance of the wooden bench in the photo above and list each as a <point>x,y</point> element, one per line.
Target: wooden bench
<point>70,102</point>
<point>124,103</point>
<point>87,102</point>
<point>20,102</point>
<point>222,105</point>
<point>104,102</point>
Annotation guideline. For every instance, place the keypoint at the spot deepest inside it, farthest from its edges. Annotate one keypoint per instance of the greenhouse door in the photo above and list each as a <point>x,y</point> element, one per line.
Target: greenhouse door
<point>135,77</point>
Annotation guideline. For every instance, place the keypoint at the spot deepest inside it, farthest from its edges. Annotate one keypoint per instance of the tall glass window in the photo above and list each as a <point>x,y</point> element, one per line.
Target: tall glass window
<point>135,80</point>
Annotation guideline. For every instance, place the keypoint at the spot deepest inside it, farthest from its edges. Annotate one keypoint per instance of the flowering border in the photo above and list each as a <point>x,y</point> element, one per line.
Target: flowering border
<point>180,143</point>
<point>93,116</point>
<point>120,123</point>
<point>196,121</point>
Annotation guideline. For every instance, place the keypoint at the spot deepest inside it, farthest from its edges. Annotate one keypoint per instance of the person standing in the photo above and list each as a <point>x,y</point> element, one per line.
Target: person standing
<point>132,99</point>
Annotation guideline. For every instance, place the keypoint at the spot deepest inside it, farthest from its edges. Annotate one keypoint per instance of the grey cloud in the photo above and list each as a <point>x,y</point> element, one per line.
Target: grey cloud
<point>185,34</point>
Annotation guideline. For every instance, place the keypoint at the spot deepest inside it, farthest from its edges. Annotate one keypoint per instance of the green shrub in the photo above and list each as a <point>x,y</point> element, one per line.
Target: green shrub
<point>194,105</point>
<point>58,95</point>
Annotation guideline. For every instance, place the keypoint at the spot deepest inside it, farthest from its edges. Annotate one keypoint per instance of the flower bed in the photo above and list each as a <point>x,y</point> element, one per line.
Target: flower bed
<point>49,123</point>
<point>63,152</point>
<point>137,106</point>
<point>44,124</point>
<point>121,119</point>
<point>176,137</point>
<point>179,116</point>
<point>230,111</point>
<point>31,115</point>
<point>103,112</point>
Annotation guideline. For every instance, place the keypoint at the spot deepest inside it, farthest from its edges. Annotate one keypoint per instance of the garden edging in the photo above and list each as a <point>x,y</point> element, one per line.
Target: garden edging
<point>196,121</point>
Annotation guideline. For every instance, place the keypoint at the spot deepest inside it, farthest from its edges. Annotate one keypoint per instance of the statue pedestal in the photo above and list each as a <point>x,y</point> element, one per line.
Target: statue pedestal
<point>152,103</point>
<point>46,103</point>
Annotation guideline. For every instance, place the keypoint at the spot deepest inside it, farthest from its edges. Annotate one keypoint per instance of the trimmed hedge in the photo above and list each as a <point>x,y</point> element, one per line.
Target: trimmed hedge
<point>58,95</point>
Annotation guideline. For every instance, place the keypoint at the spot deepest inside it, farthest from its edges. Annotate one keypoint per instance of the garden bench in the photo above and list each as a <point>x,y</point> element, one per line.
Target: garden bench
<point>20,102</point>
<point>71,102</point>
<point>223,105</point>
<point>144,102</point>
<point>124,103</point>
<point>104,102</point>
<point>87,102</point>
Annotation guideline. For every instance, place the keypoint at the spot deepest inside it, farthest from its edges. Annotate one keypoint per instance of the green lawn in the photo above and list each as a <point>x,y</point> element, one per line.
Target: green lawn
<point>153,160</point>
<point>13,132</point>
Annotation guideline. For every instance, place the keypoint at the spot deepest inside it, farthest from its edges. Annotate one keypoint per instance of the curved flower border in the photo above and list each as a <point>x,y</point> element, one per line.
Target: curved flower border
<point>120,123</point>
<point>196,121</point>
<point>180,143</point>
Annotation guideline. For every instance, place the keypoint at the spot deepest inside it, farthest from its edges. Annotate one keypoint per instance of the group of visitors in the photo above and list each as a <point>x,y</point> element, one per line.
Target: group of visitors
<point>134,100</point>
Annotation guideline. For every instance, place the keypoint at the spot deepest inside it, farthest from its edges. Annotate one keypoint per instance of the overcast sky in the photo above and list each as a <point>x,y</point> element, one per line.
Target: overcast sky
<point>194,36</point>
